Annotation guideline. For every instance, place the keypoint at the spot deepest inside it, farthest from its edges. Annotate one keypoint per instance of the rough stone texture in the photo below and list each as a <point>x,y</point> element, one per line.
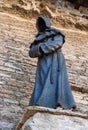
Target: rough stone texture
<point>60,11</point>
<point>52,122</point>
<point>77,59</point>
<point>47,118</point>
<point>17,69</point>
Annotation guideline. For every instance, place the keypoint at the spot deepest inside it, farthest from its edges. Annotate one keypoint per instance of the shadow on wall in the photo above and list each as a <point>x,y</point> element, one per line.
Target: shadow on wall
<point>79,3</point>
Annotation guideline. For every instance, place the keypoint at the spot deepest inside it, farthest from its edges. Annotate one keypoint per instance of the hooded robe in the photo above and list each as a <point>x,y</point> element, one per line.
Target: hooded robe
<point>51,84</point>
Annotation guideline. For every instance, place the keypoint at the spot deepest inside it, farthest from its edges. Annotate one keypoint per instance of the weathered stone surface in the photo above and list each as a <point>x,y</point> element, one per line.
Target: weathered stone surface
<point>6,126</point>
<point>47,118</point>
<point>52,9</point>
<point>52,122</point>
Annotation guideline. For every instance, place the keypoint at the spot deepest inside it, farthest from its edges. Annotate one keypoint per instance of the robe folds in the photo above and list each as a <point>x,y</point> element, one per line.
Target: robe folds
<point>52,87</point>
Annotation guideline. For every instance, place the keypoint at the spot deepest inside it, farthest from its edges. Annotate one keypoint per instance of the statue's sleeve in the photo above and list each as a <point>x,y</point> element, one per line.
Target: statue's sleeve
<point>34,51</point>
<point>46,47</point>
<point>51,45</point>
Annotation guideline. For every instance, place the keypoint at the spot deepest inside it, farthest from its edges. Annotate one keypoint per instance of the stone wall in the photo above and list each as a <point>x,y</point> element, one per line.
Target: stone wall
<point>76,55</point>
<point>17,69</point>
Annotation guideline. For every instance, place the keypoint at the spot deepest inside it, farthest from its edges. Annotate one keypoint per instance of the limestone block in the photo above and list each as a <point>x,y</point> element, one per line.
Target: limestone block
<point>44,121</point>
<point>41,118</point>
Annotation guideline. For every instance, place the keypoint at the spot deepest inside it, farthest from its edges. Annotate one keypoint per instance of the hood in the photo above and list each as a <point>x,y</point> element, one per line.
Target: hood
<point>42,23</point>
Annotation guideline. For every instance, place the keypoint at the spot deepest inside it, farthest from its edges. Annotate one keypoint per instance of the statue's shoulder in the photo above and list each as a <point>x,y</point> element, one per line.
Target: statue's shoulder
<point>57,31</point>
<point>49,32</point>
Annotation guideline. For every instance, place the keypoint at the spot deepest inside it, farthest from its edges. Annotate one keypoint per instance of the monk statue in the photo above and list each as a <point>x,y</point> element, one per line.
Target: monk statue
<point>52,87</point>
